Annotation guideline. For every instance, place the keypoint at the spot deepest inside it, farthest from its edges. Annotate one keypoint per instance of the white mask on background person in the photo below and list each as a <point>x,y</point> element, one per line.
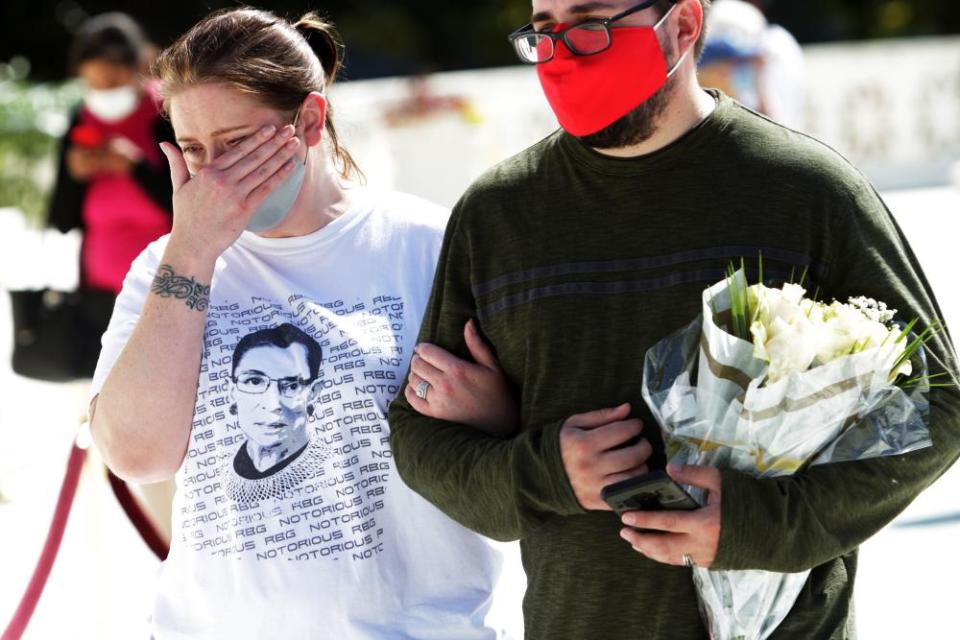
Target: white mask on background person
<point>276,207</point>
<point>112,105</point>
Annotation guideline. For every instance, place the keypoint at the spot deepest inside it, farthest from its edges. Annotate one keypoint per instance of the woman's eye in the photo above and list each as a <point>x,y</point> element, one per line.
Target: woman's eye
<point>191,150</point>
<point>236,141</point>
<point>253,382</point>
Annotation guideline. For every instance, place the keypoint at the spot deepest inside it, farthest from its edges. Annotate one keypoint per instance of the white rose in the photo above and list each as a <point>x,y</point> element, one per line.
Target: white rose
<point>779,303</point>
<point>905,368</point>
<point>793,293</point>
<point>839,332</point>
<point>783,333</point>
<point>791,348</point>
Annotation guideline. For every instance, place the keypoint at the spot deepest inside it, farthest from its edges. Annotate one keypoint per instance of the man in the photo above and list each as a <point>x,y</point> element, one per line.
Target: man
<point>585,250</point>
<point>274,387</point>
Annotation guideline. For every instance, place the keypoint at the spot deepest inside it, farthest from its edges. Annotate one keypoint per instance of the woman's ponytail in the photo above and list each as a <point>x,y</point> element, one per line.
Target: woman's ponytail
<point>326,43</point>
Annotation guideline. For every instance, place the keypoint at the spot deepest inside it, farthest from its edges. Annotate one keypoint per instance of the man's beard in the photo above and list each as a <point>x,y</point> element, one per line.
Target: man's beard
<point>638,125</point>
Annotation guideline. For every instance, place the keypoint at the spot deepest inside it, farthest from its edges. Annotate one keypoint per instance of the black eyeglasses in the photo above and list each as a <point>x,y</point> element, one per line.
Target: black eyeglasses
<point>584,39</point>
<point>258,383</point>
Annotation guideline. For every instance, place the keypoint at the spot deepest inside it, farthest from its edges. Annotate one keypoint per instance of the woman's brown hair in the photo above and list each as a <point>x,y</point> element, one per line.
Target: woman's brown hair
<point>264,56</point>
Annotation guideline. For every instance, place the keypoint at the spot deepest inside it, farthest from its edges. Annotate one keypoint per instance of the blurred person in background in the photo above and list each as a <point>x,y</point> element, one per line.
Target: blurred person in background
<point>758,63</point>
<point>114,185</point>
<point>783,72</point>
<point>112,181</point>
<point>272,230</point>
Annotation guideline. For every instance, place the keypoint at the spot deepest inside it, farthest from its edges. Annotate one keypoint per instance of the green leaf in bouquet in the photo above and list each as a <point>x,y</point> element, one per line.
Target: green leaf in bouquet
<point>907,329</point>
<point>739,302</point>
<point>756,306</point>
<point>914,345</point>
<point>926,380</point>
<point>816,302</point>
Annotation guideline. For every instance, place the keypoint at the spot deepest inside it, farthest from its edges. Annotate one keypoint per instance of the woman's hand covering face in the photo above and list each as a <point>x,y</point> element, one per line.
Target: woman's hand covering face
<point>212,207</point>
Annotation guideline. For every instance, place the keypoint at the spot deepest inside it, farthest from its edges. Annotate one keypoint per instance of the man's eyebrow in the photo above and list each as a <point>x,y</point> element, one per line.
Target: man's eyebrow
<point>586,7</point>
<point>218,132</point>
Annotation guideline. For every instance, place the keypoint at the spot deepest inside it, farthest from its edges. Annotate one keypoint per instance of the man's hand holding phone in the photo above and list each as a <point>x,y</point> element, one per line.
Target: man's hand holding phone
<point>594,455</point>
<point>679,537</point>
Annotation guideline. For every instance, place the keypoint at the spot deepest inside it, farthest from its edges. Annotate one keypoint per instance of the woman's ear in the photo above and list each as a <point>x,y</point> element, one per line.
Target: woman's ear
<point>313,118</point>
<point>315,390</point>
<point>232,397</point>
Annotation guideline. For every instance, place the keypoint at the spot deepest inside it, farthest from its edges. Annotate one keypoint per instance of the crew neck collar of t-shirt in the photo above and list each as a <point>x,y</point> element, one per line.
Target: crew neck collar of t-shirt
<point>359,207</point>
<point>661,159</point>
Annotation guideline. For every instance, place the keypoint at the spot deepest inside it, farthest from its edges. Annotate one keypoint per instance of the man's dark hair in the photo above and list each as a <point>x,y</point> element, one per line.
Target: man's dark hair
<point>114,37</point>
<point>282,337</point>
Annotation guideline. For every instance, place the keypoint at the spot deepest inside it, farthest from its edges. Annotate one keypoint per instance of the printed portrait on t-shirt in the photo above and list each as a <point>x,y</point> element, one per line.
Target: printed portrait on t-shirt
<point>290,455</point>
<point>274,388</point>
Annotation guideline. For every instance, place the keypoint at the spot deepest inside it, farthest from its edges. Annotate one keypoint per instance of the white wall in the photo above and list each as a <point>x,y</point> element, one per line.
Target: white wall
<point>892,107</point>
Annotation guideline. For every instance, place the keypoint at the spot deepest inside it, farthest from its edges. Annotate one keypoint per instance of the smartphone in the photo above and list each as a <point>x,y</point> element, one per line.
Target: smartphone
<point>654,491</point>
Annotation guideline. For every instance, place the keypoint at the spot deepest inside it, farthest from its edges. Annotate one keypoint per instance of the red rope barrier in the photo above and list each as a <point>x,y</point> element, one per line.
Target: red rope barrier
<point>140,520</point>
<point>68,490</point>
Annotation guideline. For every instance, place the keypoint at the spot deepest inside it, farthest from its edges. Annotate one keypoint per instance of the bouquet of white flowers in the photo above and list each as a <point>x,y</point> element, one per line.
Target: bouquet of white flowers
<point>768,382</point>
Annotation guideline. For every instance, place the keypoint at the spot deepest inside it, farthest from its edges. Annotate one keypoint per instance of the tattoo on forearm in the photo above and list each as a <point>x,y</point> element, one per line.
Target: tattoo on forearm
<point>167,284</point>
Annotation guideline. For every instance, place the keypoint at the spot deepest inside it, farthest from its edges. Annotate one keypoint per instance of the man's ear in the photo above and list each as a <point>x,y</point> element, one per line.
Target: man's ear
<point>313,118</point>
<point>689,24</point>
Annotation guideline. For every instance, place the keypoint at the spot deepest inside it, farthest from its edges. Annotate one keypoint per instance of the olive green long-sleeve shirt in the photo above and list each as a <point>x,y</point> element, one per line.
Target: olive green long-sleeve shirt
<point>574,264</point>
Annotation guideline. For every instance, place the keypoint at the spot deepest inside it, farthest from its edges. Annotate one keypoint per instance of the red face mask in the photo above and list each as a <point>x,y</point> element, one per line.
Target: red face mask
<point>589,93</point>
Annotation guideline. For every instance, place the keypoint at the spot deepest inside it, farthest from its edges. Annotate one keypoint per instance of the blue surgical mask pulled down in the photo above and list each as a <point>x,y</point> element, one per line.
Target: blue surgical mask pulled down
<point>276,207</point>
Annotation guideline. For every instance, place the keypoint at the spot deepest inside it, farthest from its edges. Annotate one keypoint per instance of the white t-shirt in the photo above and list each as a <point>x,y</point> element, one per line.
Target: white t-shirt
<point>328,542</point>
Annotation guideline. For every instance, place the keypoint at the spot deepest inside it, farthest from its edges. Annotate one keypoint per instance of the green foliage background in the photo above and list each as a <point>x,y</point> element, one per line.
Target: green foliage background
<point>384,38</point>
<point>31,118</point>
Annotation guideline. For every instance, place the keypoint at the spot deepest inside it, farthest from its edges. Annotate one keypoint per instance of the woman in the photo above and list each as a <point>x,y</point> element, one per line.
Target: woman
<point>111,182</point>
<point>284,296</point>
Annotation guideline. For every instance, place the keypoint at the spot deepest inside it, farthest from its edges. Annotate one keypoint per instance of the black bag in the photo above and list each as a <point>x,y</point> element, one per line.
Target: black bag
<point>56,334</point>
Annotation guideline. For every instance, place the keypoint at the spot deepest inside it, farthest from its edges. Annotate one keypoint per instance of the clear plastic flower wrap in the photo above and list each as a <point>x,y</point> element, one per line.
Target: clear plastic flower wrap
<point>706,389</point>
